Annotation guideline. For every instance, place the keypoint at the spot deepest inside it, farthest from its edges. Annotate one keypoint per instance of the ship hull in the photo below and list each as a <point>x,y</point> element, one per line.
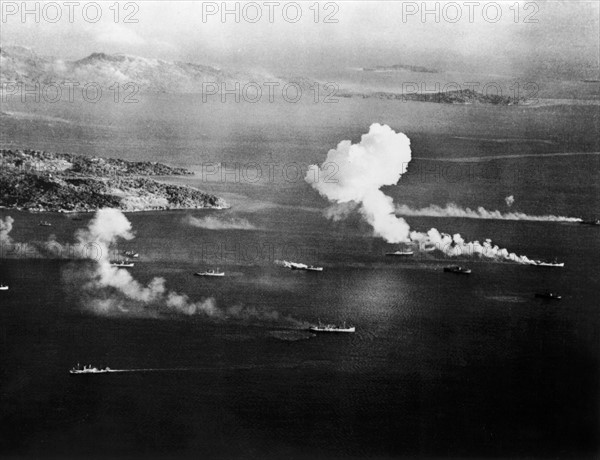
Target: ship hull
<point>331,331</point>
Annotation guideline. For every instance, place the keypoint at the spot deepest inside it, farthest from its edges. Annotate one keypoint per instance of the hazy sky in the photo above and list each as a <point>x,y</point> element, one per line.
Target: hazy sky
<point>565,36</point>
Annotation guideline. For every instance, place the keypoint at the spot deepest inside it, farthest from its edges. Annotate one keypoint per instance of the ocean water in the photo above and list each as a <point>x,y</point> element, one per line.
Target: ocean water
<point>440,365</point>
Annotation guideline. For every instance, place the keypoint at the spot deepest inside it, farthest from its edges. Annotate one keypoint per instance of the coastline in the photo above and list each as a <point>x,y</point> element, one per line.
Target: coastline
<point>124,211</point>
<point>38,181</point>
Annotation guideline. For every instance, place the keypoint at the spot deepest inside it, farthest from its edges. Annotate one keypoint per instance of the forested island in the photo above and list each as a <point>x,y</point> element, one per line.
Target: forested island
<point>461,96</point>
<point>62,182</point>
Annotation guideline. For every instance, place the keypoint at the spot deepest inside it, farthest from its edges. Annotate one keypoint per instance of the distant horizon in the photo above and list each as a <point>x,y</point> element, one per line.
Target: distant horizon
<point>589,76</point>
<point>553,38</point>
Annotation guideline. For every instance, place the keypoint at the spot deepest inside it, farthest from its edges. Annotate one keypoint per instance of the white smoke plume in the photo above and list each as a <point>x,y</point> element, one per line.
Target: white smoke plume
<point>455,246</point>
<point>381,158</point>
<point>214,223</point>
<point>6,226</point>
<point>113,290</point>
<point>51,248</point>
<point>11,249</point>
<point>509,200</point>
<point>107,226</point>
<point>452,210</point>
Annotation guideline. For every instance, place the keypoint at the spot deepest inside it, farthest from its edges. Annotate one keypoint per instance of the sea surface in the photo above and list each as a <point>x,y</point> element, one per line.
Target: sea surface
<point>440,364</point>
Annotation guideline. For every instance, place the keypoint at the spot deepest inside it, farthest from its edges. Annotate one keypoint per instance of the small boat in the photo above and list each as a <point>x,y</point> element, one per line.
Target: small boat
<point>590,222</point>
<point>539,263</point>
<point>45,223</point>
<point>331,328</point>
<point>121,264</point>
<point>458,269</point>
<point>89,370</point>
<point>548,295</point>
<point>210,272</point>
<point>3,287</point>
<point>131,254</point>
<point>400,253</point>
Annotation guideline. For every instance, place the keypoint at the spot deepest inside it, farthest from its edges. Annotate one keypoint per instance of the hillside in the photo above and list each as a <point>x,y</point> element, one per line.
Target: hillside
<point>23,65</point>
<point>43,181</point>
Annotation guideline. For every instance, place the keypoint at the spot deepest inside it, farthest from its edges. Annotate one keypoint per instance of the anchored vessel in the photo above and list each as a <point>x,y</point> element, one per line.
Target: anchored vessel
<point>210,272</point>
<point>3,287</point>
<point>121,264</point>
<point>331,328</point>
<point>548,295</point>
<point>400,253</point>
<point>89,370</point>
<point>45,223</point>
<point>458,269</point>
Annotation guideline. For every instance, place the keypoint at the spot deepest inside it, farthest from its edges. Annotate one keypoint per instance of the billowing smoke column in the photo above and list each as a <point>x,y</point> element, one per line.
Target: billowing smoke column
<point>381,158</point>
<point>455,245</point>
<point>105,229</point>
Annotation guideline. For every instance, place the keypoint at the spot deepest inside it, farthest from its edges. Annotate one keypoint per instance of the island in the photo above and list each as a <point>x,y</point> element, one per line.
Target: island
<point>36,180</point>
<point>461,96</point>
<point>399,68</point>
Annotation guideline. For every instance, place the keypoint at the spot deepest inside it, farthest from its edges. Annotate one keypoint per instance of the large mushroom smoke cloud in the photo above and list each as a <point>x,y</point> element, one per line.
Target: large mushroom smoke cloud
<point>380,159</point>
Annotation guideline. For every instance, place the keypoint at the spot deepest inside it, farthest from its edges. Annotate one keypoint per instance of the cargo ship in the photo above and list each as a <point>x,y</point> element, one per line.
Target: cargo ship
<point>406,253</point>
<point>210,272</point>
<point>90,370</point>
<point>555,263</point>
<point>121,264</point>
<point>332,328</point>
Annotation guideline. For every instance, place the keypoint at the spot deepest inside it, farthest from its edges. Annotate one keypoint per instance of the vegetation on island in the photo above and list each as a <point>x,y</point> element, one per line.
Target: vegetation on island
<point>462,96</point>
<point>61,182</point>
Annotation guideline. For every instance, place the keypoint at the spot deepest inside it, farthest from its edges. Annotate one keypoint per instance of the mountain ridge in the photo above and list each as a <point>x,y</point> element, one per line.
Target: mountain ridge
<point>22,65</point>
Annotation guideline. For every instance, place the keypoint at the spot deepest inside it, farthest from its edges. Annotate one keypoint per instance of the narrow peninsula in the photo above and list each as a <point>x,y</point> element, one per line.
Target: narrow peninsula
<point>36,180</point>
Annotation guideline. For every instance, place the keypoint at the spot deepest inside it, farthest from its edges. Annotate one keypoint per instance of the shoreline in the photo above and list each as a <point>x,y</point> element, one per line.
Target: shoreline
<point>41,181</point>
<point>91,211</point>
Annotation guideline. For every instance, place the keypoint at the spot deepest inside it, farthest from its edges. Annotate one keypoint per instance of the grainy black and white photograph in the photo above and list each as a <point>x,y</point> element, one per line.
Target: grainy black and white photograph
<point>299,230</point>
